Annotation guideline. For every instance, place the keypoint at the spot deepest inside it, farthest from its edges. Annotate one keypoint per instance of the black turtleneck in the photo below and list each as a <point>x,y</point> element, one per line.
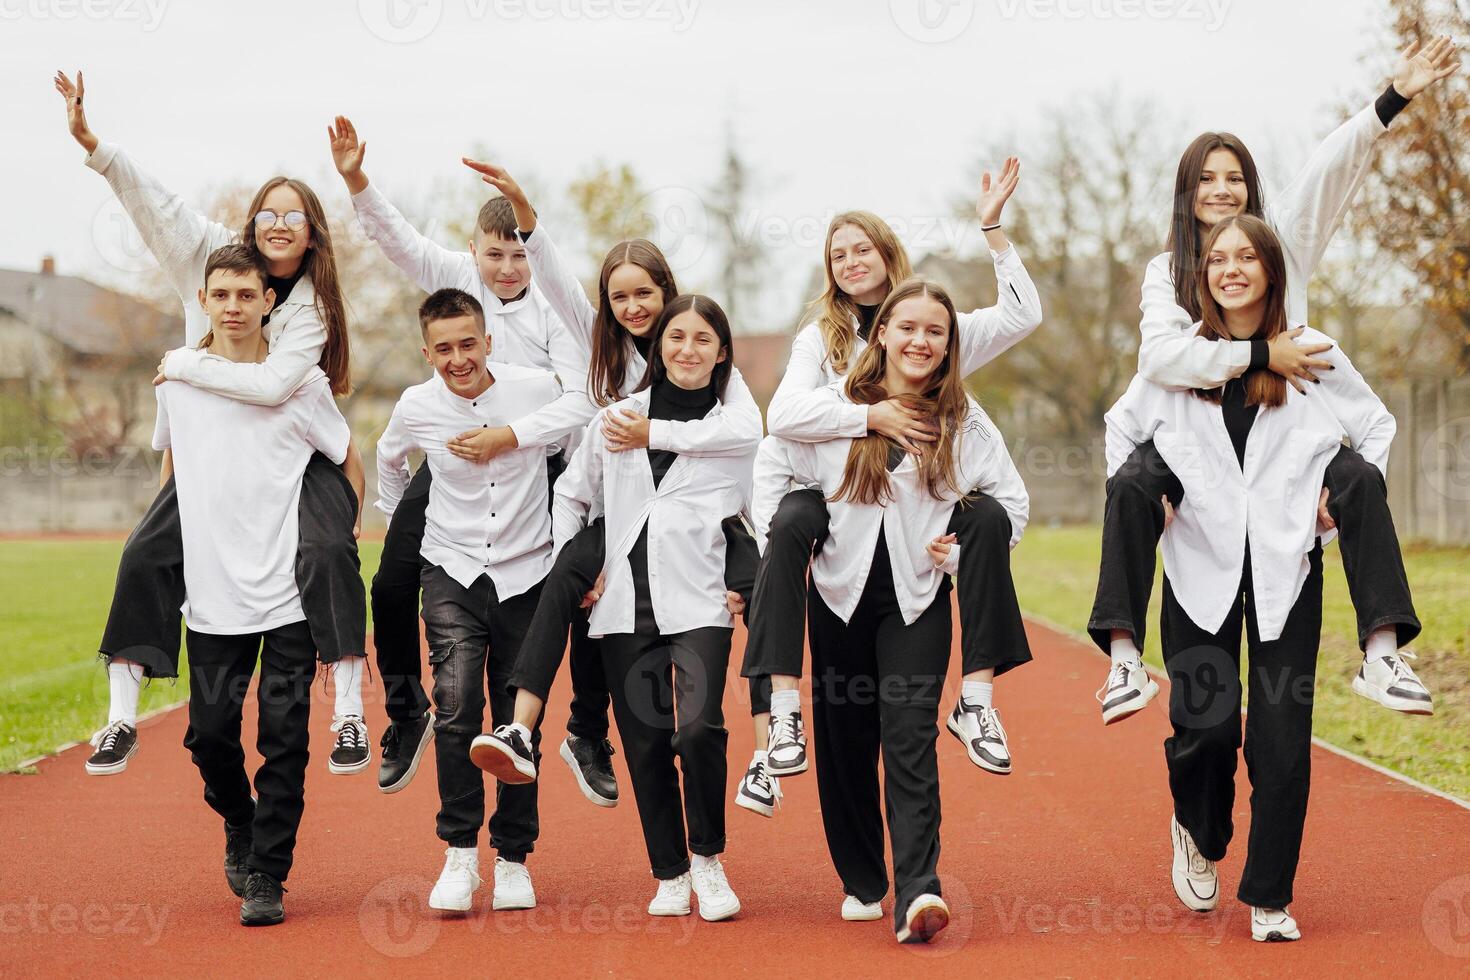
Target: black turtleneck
<point>1239,417</point>
<point>668,401</point>
<point>282,286</point>
<point>642,344</point>
<point>866,316</point>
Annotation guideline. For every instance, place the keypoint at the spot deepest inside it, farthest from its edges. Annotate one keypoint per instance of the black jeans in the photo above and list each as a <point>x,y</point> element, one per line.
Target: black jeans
<point>473,640</point>
<point>992,633</point>
<point>667,694</point>
<point>1204,706</point>
<point>143,624</point>
<point>1133,520</point>
<point>219,676</point>
<point>875,687</point>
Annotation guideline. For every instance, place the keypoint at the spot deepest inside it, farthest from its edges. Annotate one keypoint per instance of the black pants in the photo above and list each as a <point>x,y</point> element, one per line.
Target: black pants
<point>143,624</point>
<point>992,633</point>
<point>1204,706</point>
<point>876,686</point>
<point>219,676</point>
<point>473,641</point>
<point>1133,520</point>
<point>667,694</point>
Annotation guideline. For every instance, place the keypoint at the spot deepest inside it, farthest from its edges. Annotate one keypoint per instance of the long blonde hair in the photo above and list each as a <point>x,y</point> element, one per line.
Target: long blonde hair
<point>943,402</point>
<point>834,310</point>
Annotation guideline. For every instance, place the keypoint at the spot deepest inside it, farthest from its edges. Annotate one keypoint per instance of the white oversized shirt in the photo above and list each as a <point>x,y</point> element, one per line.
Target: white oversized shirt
<point>909,520</point>
<point>238,470</point>
<point>1270,501</point>
<point>684,515</point>
<point>483,518</point>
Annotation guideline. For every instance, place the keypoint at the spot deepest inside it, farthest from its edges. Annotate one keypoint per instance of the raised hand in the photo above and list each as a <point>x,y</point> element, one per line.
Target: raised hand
<point>498,178</point>
<point>993,196</point>
<point>1417,70</point>
<point>347,153</point>
<point>76,116</point>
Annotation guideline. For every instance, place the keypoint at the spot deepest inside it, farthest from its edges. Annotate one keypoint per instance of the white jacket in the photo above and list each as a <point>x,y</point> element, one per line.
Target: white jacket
<point>684,515</point>
<point>1270,502</point>
<point>910,520</point>
<point>180,240</point>
<point>1305,215</point>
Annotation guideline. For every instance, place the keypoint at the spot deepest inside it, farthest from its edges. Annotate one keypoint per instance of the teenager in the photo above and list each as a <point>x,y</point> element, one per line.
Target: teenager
<point>524,331</point>
<point>1217,179</point>
<point>634,286</point>
<point>662,617</point>
<point>486,548</point>
<point>878,604</point>
<point>1245,546</point>
<point>238,469</point>
<point>306,330</point>
<point>863,261</point>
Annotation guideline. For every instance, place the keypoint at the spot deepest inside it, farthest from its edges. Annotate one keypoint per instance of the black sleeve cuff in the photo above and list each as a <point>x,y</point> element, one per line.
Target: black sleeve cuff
<point>525,236</point>
<point>1389,104</point>
<point>1260,354</point>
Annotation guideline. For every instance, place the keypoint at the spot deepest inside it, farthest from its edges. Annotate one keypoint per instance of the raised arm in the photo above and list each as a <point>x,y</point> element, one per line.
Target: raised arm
<point>1369,424</point>
<point>734,431</point>
<point>572,409</point>
<point>988,333</point>
<point>578,489</point>
<point>293,356</point>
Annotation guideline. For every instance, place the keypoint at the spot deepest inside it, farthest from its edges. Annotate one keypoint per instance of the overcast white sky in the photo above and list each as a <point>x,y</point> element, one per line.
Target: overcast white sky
<point>865,103</point>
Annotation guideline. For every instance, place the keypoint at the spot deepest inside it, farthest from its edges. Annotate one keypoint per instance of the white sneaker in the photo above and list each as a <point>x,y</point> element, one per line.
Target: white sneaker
<point>1195,880</point>
<point>984,738</point>
<point>856,910</point>
<point>459,880</point>
<point>786,754</point>
<point>716,900</point>
<point>1273,926</point>
<point>1393,684</point>
<point>926,918</point>
<point>512,886</point>
<point>672,897</point>
<point>758,792</point>
<point>1128,690</point>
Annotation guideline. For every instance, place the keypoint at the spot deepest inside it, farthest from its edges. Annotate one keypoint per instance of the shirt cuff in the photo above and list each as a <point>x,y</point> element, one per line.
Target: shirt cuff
<point>1389,104</point>
<point>100,158</point>
<point>1260,354</point>
<point>525,236</point>
<point>177,361</point>
<point>854,421</point>
<point>951,563</point>
<point>658,434</point>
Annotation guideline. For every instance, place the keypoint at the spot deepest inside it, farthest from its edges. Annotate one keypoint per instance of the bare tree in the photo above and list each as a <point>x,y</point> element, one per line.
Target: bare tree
<point>742,259</point>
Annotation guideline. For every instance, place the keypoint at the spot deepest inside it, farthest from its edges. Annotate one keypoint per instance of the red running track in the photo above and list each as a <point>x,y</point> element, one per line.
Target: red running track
<point>1061,869</point>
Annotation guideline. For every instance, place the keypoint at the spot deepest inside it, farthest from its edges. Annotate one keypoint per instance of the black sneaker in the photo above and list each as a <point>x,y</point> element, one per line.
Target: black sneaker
<point>403,746</point>
<point>115,744</point>
<point>505,755</point>
<point>263,905</point>
<point>758,792</point>
<point>350,754</point>
<point>591,762</point>
<point>786,752</point>
<point>238,841</point>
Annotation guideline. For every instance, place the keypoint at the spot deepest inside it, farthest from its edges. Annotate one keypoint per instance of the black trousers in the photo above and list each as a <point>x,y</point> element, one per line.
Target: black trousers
<point>1204,706</point>
<point>876,685</point>
<point>473,641</point>
<point>667,693</point>
<point>1133,520</point>
<point>219,677</point>
<point>992,633</point>
<point>143,624</point>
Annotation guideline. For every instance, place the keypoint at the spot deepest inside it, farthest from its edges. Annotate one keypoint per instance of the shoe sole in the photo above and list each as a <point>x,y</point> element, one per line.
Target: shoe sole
<point>593,797</point>
<point>337,769</point>
<point>754,806</point>
<point>114,768</point>
<point>1277,936</point>
<point>272,920</point>
<point>979,760</point>
<point>490,757</point>
<point>670,913</point>
<point>413,765</point>
<point>720,916</point>
<point>1362,688</point>
<point>863,916</point>
<point>511,904</point>
<point>444,907</point>
<point>928,923</point>
<point>1118,714</point>
<point>796,770</point>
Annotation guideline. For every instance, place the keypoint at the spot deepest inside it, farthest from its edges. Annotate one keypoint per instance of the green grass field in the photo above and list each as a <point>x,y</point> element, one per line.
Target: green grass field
<point>53,690</point>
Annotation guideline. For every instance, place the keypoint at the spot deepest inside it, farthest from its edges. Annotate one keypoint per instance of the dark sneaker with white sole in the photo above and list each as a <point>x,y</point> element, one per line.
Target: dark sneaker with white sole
<point>758,792</point>
<point>115,745</point>
<point>1128,690</point>
<point>786,748</point>
<point>263,905</point>
<point>403,746</point>
<point>505,755</point>
<point>983,736</point>
<point>238,841</point>
<point>351,753</point>
<point>1392,683</point>
<point>590,761</point>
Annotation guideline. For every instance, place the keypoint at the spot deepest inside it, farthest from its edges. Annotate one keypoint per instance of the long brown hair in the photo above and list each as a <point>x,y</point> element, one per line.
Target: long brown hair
<point>833,309</point>
<point>865,477</point>
<point>610,339</point>
<point>1185,259</point>
<point>319,264</point>
<point>710,312</point>
<point>1262,387</point>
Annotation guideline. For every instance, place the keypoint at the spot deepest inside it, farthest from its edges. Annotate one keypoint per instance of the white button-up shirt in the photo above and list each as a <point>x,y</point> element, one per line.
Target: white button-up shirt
<point>684,515</point>
<point>909,520</point>
<point>483,518</point>
<point>1271,501</point>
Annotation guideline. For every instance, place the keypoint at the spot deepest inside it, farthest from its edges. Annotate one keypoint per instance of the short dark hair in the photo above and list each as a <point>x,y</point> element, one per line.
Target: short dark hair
<point>498,219</point>
<point>444,304</point>
<point>237,258</point>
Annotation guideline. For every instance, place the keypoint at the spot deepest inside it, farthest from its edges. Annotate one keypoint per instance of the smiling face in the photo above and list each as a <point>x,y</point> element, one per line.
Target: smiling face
<point>457,347</point>
<point>691,348</point>
<point>503,264</point>
<point>1221,192</point>
<point>1236,276</point>
<point>282,246</point>
<point>914,339</point>
<point>856,266</point>
<point>236,302</point>
<point>635,299</point>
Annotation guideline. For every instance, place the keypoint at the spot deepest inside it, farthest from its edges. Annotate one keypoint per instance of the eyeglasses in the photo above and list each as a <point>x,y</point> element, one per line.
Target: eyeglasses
<point>295,220</point>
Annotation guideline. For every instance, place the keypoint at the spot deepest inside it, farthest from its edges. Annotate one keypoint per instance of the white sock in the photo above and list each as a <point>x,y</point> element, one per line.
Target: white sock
<point>1125,651</point>
<point>525,732</point>
<point>977,693</point>
<point>1380,643</point>
<point>124,682</point>
<point>759,756</point>
<point>785,702</point>
<point>700,861</point>
<point>347,679</point>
